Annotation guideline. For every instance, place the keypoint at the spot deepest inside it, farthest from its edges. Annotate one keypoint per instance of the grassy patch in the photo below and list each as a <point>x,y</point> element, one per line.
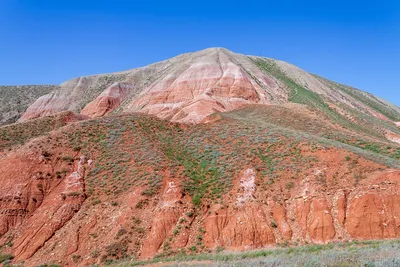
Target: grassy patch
<point>359,253</point>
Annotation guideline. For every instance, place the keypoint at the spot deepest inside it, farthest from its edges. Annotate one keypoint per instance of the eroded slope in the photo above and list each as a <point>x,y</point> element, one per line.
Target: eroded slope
<point>133,185</point>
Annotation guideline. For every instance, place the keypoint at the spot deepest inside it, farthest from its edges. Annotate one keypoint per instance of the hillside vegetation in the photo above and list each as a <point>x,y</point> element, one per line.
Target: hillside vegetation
<point>16,99</point>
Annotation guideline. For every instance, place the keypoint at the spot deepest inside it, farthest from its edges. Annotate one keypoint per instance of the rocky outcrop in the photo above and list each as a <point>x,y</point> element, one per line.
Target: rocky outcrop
<point>214,81</point>
<point>243,225</point>
<point>166,217</point>
<point>393,137</point>
<point>107,101</point>
<point>66,98</point>
<point>280,220</point>
<point>37,201</point>
<point>244,228</point>
<point>374,214</point>
<point>352,213</point>
<point>23,190</point>
<point>58,208</point>
<point>320,222</point>
<point>71,95</point>
<point>44,212</point>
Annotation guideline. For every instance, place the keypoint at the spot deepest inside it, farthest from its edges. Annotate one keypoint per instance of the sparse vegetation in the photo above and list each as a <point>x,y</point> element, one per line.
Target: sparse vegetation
<point>5,257</point>
<point>358,253</point>
<point>16,99</point>
<point>19,133</point>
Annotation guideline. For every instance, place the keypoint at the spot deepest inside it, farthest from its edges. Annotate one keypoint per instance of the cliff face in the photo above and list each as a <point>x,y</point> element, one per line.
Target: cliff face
<point>249,153</point>
<point>37,200</point>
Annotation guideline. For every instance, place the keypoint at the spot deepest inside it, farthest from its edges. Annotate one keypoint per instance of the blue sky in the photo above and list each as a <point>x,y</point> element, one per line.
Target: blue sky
<point>351,42</point>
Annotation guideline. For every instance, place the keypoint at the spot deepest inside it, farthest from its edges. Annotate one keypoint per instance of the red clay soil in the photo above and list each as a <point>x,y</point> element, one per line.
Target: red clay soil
<point>47,218</point>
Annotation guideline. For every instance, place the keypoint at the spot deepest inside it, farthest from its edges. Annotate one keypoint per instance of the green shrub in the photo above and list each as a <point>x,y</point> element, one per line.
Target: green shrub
<point>196,200</point>
<point>289,185</point>
<point>6,257</point>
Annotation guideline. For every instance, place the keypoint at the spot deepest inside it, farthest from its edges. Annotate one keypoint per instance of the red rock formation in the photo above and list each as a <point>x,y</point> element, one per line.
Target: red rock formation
<point>214,82</point>
<point>342,207</point>
<point>303,208</point>
<point>58,208</point>
<point>23,189</point>
<point>186,89</point>
<point>393,137</point>
<point>246,221</point>
<point>108,100</point>
<point>333,195</point>
<point>374,213</point>
<point>34,201</point>
<point>68,97</point>
<point>320,222</point>
<point>279,215</point>
<point>166,217</point>
<point>245,225</point>
<point>244,228</point>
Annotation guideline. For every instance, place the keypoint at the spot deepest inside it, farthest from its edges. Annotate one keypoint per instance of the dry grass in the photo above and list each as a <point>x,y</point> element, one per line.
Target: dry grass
<point>16,99</point>
<point>364,253</point>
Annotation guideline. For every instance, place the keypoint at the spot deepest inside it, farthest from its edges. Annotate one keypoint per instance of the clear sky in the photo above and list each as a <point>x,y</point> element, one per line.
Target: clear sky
<point>351,42</point>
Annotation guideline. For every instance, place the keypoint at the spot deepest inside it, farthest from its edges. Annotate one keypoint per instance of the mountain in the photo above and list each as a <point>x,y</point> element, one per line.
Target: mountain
<point>206,151</point>
<point>192,86</point>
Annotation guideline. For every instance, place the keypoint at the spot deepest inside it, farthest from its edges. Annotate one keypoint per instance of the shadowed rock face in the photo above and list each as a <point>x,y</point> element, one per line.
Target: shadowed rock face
<point>192,86</point>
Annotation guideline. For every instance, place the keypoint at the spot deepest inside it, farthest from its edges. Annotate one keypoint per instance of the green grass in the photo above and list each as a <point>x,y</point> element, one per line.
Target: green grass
<point>363,123</point>
<point>203,177</point>
<point>5,257</point>
<point>358,253</point>
<point>19,133</point>
<point>366,99</point>
<point>292,124</point>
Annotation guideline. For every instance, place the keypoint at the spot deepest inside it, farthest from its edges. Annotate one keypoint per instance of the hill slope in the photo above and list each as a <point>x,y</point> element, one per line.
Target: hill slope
<point>280,157</point>
<point>16,99</point>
